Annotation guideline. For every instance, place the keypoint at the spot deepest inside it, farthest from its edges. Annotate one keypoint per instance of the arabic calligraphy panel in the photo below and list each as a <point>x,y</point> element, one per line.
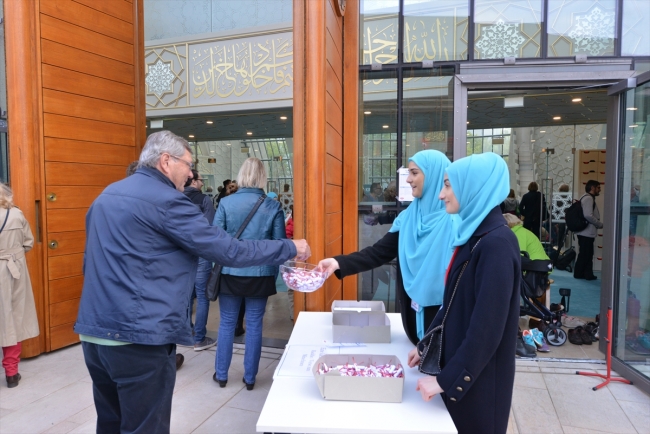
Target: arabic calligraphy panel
<point>379,26</point>
<point>258,68</point>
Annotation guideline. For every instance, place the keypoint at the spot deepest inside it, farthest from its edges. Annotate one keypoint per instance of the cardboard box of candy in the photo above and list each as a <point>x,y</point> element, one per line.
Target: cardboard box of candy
<point>359,377</point>
<point>360,322</point>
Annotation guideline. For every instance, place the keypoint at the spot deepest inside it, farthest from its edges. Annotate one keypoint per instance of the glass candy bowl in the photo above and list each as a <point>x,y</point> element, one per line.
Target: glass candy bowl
<point>301,276</point>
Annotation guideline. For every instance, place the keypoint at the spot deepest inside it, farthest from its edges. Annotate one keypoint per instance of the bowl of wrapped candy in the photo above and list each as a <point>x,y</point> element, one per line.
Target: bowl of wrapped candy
<point>301,276</point>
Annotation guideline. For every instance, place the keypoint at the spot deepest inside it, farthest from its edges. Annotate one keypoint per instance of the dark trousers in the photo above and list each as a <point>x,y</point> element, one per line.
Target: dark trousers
<point>132,386</point>
<point>585,263</point>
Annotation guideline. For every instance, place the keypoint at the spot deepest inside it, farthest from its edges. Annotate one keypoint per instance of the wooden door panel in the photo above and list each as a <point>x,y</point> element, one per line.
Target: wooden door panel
<point>333,142</point>
<point>71,197</point>
<point>76,151</point>
<point>66,220</point>
<point>334,248</point>
<point>82,61</point>
<point>64,312</point>
<point>74,36</point>
<point>67,243</point>
<point>334,225</point>
<point>334,57</point>
<point>333,170</point>
<point>79,83</point>
<point>68,104</point>
<point>118,9</point>
<point>88,18</point>
<point>333,198</point>
<point>333,87</point>
<point>66,127</point>
<point>62,336</point>
<point>65,289</point>
<point>57,173</point>
<point>334,25</point>
<point>60,267</point>
<point>333,113</point>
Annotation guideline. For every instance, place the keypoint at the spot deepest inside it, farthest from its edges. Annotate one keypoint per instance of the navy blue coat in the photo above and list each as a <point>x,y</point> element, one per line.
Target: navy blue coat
<point>478,358</point>
<point>143,239</point>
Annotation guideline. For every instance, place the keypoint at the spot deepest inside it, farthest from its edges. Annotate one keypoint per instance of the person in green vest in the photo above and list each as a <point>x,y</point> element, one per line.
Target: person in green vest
<point>528,241</point>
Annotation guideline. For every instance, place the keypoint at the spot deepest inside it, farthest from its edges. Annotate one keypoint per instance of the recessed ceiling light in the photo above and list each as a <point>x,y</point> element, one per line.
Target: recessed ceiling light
<point>632,108</point>
<point>633,126</point>
<point>532,140</point>
<point>249,133</point>
<point>384,126</point>
<point>604,138</point>
<point>366,113</point>
<point>557,118</point>
<point>227,144</point>
<point>284,118</point>
<point>576,100</point>
<point>212,152</point>
<point>468,122</point>
<point>542,131</point>
<point>209,122</point>
<point>191,136</point>
<point>408,145</point>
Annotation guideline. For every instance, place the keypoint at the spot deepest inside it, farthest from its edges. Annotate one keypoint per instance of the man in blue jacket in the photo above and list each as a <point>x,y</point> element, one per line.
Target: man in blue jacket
<point>143,241</point>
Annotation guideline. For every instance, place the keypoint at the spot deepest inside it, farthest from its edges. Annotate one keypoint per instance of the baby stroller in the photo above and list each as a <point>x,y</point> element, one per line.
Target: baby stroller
<point>534,281</point>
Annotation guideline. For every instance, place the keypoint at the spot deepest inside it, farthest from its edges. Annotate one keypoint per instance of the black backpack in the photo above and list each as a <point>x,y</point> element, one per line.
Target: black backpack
<point>565,259</point>
<point>575,218</point>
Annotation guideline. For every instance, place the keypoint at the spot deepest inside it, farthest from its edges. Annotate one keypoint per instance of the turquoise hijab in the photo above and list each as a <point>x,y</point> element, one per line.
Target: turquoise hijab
<point>480,182</point>
<point>425,237</point>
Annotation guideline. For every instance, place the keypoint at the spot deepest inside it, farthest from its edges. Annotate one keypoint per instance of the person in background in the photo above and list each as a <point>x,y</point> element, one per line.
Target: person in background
<point>254,284</point>
<point>222,192</point>
<point>481,301</point>
<point>560,228</point>
<point>420,238</point>
<point>510,205</point>
<point>143,241</point>
<point>376,193</point>
<point>584,268</point>
<point>533,209</point>
<point>18,320</point>
<point>193,192</point>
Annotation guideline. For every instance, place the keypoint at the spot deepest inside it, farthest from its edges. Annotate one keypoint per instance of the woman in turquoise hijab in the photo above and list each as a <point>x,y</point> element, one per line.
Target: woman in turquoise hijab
<point>420,238</point>
<point>481,300</point>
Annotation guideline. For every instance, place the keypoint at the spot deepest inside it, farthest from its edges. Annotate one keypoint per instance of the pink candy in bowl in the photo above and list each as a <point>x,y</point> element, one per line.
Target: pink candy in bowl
<point>301,276</point>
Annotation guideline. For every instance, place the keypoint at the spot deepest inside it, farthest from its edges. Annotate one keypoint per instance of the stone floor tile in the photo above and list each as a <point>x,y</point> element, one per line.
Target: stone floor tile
<point>199,366</point>
<point>578,406</point>
<point>251,400</point>
<point>265,376</point>
<point>575,430</point>
<point>512,424</point>
<point>604,372</point>
<point>50,410</point>
<point>229,420</point>
<point>84,415</point>
<point>638,413</point>
<point>530,379</point>
<point>89,427</point>
<point>62,428</point>
<point>534,411</point>
<point>4,412</point>
<point>627,392</point>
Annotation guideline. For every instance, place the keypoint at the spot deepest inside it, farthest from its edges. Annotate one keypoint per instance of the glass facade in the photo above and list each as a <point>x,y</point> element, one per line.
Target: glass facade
<point>378,28</point>
<point>636,25</point>
<point>4,154</point>
<point>632,315</point>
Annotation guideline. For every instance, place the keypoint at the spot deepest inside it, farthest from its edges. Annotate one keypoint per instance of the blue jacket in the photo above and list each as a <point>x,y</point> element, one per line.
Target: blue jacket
<point>266,224</point>
<point>143,239</point>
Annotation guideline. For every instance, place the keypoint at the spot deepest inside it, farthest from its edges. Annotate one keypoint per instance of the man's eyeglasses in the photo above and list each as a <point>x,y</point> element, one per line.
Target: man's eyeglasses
<point>201,179</point>
<point>190,165</point>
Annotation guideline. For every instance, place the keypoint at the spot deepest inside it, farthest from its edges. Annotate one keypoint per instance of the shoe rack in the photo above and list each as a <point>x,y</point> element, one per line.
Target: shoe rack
<point>591,165</point>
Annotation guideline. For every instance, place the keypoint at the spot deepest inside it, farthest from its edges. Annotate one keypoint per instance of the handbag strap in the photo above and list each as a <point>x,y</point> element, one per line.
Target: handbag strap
<point>5,222</point>
<point>250,215</point>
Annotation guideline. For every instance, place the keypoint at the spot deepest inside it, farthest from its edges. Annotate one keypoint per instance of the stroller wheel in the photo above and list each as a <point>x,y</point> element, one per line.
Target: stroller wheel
<point>555,336</point>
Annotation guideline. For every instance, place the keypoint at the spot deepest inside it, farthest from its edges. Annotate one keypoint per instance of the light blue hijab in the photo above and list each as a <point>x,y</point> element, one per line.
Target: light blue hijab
<point>426,232</point>
<point>480,182</point>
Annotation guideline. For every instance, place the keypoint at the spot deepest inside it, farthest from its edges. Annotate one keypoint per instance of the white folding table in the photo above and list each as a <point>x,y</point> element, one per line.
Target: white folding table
<point>294,403</point>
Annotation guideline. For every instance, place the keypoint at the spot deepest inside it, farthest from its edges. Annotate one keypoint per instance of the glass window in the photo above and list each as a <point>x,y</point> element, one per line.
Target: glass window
<point>636,22</point>
<point>507,28</point>
<point>435,30</point>
<point>427,112</point>
<point>379,29</point>
<point>632,320</point>
<point>581,27</point>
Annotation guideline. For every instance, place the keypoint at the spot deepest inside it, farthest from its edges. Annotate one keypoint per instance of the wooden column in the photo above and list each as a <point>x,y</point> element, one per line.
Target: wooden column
<point>77,119</point>
<point>321,159</point>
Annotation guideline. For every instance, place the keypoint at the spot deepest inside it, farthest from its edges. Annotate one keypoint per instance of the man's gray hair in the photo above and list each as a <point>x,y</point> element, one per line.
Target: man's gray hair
<point>160,143</point>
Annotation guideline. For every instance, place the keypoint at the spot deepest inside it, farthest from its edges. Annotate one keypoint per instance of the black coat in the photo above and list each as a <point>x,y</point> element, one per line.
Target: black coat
<point>382,252</point>
<point>530,210</point>
<point>478,359</point>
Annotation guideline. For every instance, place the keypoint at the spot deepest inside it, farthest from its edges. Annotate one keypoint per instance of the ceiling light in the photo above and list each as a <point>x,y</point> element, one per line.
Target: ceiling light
<point>633,126</point>
<point>366,113</point>
<point>249,133</point>
<point>384,126</point>
<point>467,122</point>
<point>191,136</point>
<point>408,145</point>
<point>284,118</point>
<point>532,140</point>
<point>604,138</point>
<point>576,100</point>
<point>227,144</point>
<point>209,122</point>
<point>542,131</point>
<point>632,108</point>
<point>557,118</point>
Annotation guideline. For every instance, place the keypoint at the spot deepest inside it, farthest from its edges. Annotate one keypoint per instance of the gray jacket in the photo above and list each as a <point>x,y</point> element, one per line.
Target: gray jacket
<point>592,215</point>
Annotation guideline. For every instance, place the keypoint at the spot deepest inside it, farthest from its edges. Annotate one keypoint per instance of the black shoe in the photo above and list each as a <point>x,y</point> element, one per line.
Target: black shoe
<point>523,350</point>
<point>591,278</point>
<point>584,336</point>
<point>574,337</point>
<point>179,361</point>
<point>239,331</point>
<point>248,386</point>
<point>222,384</point>
<point>13,380</point>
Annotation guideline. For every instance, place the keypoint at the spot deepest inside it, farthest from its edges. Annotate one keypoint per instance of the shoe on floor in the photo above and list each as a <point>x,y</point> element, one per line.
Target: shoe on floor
<point>584,336</point>
<point>571,321</point>
<point>205,344</point>
<point>222,383</point>
<point>522,350</point>
<point>13,380</point>
<point>248,386</point>
<point>591,278</point>
<point>556,307</point>
<point>527,335</point>
<point>574,337</point>
<point>179,361</point>
<point>540,342</point>
<point>240,331</point>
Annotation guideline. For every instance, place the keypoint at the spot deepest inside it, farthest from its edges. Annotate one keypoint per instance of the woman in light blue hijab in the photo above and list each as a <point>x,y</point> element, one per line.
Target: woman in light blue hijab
<point>421,238</point>
<point>481,300</point>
